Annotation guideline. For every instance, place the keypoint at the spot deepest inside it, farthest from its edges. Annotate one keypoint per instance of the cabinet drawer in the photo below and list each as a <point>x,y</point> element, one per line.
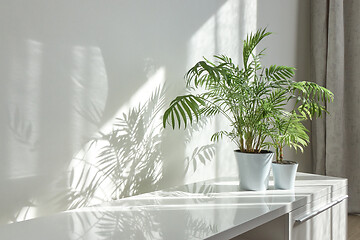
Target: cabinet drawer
<point>324,218</point>
<point>316,228</point>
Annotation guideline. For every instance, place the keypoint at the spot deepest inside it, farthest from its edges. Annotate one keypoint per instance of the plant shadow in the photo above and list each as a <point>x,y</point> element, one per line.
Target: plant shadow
<point>126,160</point>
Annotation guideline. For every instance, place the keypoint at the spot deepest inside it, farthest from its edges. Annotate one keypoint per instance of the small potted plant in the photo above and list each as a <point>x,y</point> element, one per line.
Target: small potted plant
<point>288,128</point>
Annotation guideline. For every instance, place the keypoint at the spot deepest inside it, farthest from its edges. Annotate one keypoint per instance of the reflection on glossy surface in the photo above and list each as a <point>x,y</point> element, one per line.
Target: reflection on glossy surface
<point>139,224</point>
<point>194,211</point>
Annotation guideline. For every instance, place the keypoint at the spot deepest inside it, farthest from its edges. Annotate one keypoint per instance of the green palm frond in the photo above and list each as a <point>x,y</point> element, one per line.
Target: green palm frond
<point>251,42</point>
<point>312,91</point>
<point>279,72</point>
<point>183,109</point>
<point>219,135</point>
<point>310,98</point>
<point>289,130</point>
<point>203,74</point>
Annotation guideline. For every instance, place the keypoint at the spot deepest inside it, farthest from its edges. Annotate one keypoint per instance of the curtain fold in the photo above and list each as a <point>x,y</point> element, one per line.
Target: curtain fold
<point>335,63</point>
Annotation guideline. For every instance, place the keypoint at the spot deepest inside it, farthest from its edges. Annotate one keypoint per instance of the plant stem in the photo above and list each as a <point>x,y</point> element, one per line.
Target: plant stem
<point>281,157</point>
<point>258,141</point>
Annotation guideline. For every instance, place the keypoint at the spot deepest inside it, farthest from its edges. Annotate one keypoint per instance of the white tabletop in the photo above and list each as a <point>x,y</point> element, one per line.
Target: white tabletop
<point>213,209</point>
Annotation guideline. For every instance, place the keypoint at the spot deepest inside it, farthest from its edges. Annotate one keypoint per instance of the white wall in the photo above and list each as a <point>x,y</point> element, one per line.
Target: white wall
<point>69,69</point>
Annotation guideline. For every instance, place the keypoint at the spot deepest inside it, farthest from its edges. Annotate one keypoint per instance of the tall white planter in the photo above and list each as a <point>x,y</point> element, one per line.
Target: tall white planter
<point>254,170</point>
<point>284,175</point>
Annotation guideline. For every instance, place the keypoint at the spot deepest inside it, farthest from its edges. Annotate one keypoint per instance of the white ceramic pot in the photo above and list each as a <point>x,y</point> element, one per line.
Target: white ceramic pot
<point>254,170</point>
<point>284,175</point>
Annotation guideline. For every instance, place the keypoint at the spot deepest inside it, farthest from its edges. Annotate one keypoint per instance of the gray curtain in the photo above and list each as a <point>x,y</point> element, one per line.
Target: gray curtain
<point>335,45</point>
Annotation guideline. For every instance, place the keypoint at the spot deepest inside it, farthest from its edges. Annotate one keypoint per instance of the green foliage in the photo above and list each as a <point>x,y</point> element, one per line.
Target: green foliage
<point>252,97</point>
<point>288,128</point>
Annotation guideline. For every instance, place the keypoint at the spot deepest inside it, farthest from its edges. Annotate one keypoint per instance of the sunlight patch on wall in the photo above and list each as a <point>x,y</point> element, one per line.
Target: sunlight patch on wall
<point>202,43</point>
<point>241,16</point>
<point>90,90</point>
<point>222,33</point>
<point>124,158</point>
<point>199,149</point>
<point>141,96</point>
<point>24,99</point>
<point>235,19</point>
<point>248,18</point>
<point>228,32</point>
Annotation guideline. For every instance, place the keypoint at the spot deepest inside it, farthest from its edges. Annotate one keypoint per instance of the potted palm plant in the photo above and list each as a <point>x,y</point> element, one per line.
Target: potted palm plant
<point>288,128</point>
<point>244,96</point>
<point>288,131</point>
<point>251,97</point>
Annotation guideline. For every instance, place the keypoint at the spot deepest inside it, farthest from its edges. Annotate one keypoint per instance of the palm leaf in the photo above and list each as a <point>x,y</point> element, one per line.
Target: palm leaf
<point>279,72</point>
<point>251,42</point>
<point>182,110</point>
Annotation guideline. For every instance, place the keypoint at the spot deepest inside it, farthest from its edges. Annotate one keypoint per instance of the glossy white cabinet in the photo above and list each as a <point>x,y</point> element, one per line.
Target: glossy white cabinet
<point>213,209</point>
<point>324,217</point>
<point>339,221</point>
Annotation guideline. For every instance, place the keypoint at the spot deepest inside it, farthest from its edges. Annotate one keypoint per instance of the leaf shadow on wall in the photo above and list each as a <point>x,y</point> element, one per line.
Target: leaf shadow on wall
<point>127,160</point>
<point>22,131</point>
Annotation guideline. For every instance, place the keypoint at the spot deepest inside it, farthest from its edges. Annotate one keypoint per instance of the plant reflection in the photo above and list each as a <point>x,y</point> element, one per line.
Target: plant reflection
<point>139,224</point>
